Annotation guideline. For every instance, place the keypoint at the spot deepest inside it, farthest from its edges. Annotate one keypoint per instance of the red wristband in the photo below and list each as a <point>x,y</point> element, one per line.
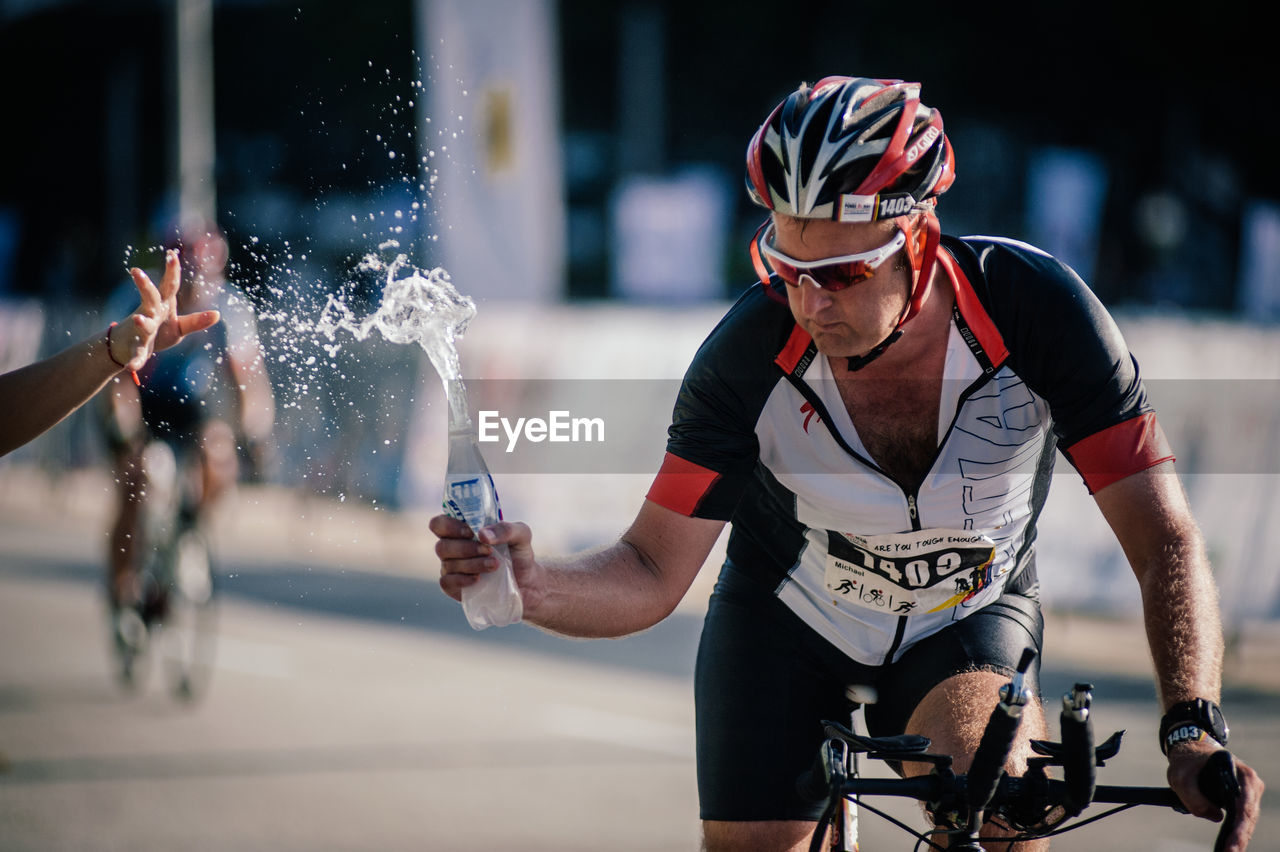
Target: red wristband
<point>112,356</point>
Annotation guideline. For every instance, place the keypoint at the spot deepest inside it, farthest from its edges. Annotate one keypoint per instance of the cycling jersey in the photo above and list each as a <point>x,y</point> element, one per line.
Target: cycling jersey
<point>760,437</point>
<point>179,387</point>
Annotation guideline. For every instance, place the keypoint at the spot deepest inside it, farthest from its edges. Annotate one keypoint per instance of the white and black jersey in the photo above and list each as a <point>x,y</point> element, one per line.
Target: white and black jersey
<point>760,437</point>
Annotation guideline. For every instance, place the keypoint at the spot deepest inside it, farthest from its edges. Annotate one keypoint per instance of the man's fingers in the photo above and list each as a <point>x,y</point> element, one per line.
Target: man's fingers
<point>1249,807</point>
<point>453,584</point>
<point>446,526</point>
<point>453,549</point>
<point>513,533</point>
<point>458,550</point>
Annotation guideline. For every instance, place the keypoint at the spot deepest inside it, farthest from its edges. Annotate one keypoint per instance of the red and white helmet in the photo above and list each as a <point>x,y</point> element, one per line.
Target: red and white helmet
<point>851,149</point>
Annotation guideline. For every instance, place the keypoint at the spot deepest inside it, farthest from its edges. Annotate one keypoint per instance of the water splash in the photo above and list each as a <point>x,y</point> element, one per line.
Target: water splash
<point>417,307</point>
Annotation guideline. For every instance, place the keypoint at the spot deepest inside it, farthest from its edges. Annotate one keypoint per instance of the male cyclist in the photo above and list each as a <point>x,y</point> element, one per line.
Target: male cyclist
<point>203,396</point>
<point>878,421</point>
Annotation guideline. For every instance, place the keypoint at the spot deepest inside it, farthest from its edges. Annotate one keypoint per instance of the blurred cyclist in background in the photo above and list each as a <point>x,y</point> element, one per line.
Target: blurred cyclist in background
<point>209,395</point>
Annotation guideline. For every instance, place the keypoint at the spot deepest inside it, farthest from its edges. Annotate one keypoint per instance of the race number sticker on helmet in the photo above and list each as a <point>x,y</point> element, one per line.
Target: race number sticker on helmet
<point>870,208</point>
<point>908,573</point>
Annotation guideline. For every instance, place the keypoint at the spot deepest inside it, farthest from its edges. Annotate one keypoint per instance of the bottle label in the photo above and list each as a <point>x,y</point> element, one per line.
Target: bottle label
<point>467,500</point>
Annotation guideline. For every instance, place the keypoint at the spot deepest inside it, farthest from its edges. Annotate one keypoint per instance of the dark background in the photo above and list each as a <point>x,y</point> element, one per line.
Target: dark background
<point>1176,105</point>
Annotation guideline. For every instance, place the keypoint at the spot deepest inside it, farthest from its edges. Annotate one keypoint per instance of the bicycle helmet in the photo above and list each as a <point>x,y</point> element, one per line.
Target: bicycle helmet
<point>854,149</point>
<point>829,151</point>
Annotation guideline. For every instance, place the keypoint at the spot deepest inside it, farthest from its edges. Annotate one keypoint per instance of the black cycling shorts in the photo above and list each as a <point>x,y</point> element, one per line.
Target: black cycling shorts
<point>765,681</point>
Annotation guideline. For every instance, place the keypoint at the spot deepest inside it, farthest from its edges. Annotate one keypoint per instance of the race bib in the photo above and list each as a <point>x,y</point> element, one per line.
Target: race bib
<point>908,573</point>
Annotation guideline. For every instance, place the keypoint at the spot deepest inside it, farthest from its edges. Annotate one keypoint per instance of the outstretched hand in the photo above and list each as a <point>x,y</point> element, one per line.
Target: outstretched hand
<point>156,324</point>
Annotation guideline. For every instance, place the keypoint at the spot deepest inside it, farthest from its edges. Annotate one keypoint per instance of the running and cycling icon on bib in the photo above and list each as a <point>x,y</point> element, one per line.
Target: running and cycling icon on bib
<point>907,573</point>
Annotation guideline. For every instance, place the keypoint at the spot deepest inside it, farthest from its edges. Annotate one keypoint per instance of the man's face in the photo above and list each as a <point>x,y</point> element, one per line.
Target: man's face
<point>203,260</point>
<point>854,320</point>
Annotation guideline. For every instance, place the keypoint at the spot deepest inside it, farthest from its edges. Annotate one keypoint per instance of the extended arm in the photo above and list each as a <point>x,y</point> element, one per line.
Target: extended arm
<point>620,589</point>
<point>43,393</point>
<point>1149,514</point>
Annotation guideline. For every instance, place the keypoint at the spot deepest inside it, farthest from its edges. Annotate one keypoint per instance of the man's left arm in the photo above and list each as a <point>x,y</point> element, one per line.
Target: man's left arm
<point>1149,513</point>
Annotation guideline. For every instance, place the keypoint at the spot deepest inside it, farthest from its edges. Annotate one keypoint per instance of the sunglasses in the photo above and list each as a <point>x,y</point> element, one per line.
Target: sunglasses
<point>829,273</point>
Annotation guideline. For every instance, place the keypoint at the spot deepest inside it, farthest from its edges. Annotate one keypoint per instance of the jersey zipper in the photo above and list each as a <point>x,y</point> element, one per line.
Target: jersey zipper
<point>913,513</point>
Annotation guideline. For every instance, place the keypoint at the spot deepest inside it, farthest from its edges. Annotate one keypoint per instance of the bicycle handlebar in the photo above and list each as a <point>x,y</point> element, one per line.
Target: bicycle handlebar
<point>1012,790</point>
<point>1033,802</point>
<point>1221,785</point>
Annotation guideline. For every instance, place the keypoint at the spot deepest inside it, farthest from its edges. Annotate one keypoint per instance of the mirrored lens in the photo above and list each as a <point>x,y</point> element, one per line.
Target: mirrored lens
<point>834,274</point>
<point>834,277</point>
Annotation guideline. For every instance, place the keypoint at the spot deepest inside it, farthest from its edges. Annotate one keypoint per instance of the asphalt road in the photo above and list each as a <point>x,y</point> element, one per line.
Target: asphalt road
<point>352,708</point>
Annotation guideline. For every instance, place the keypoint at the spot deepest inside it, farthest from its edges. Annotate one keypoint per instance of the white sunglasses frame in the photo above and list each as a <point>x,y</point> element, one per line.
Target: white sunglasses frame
<point>873,259</point>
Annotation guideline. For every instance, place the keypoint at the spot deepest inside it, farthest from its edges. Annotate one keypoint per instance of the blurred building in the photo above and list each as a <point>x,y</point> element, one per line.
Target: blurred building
<point>318,148</point>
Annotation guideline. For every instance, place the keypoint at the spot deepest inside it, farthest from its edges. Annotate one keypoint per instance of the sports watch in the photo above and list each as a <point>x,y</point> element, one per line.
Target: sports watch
<point>1191,721</point>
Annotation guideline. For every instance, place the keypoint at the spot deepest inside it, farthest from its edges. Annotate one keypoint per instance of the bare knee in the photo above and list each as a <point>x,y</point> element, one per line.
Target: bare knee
<point>954,715</point>
<point>218,461</point>
<point>762,836</point>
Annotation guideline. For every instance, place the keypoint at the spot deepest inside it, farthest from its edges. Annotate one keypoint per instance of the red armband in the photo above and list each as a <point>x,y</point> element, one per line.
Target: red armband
<point>1118,451</point>
<point>680,485</point>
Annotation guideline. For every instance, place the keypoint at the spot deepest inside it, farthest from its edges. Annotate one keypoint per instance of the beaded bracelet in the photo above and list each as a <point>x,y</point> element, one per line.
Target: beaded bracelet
<point>112,356</point>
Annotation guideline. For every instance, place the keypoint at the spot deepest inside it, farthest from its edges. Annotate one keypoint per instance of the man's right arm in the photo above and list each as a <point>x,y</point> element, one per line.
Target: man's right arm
<point>614,591</point>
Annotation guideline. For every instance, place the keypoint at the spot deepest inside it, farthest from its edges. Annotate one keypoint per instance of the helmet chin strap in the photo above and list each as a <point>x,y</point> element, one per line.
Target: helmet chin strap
<point>922,280</point>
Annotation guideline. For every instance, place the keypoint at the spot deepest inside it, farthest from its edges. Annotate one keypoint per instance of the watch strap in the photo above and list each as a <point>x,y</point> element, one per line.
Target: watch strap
<point>1184,719</point>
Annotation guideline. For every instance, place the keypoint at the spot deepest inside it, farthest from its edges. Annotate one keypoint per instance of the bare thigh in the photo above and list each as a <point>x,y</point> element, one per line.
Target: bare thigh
<point>954,714</point>
<point>765,836</point>
<point>219,466</point>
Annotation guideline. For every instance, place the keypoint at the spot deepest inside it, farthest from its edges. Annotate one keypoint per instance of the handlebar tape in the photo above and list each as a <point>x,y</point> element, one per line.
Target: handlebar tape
<point>988,761</point>
<point>987,767</point>
<point>1079,770</point>
<point>1220,784</point>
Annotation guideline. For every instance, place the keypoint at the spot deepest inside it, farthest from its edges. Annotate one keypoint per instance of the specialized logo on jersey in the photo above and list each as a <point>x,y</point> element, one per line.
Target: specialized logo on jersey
<point>809,413</point>
<point>905,573</point>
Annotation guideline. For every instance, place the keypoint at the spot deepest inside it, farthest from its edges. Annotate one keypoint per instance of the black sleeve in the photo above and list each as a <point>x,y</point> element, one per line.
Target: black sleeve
<point>1061,340</point>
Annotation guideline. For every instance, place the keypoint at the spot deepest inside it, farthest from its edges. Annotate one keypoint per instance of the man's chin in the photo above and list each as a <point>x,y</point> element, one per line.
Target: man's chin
<point>834,343</point>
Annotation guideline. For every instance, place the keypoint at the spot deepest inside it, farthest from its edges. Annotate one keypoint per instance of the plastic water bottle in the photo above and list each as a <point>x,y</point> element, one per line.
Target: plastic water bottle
<point>469,495</point>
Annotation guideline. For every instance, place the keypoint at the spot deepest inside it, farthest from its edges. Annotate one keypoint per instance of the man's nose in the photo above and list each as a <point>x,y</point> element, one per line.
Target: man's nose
<point>813,298</point>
